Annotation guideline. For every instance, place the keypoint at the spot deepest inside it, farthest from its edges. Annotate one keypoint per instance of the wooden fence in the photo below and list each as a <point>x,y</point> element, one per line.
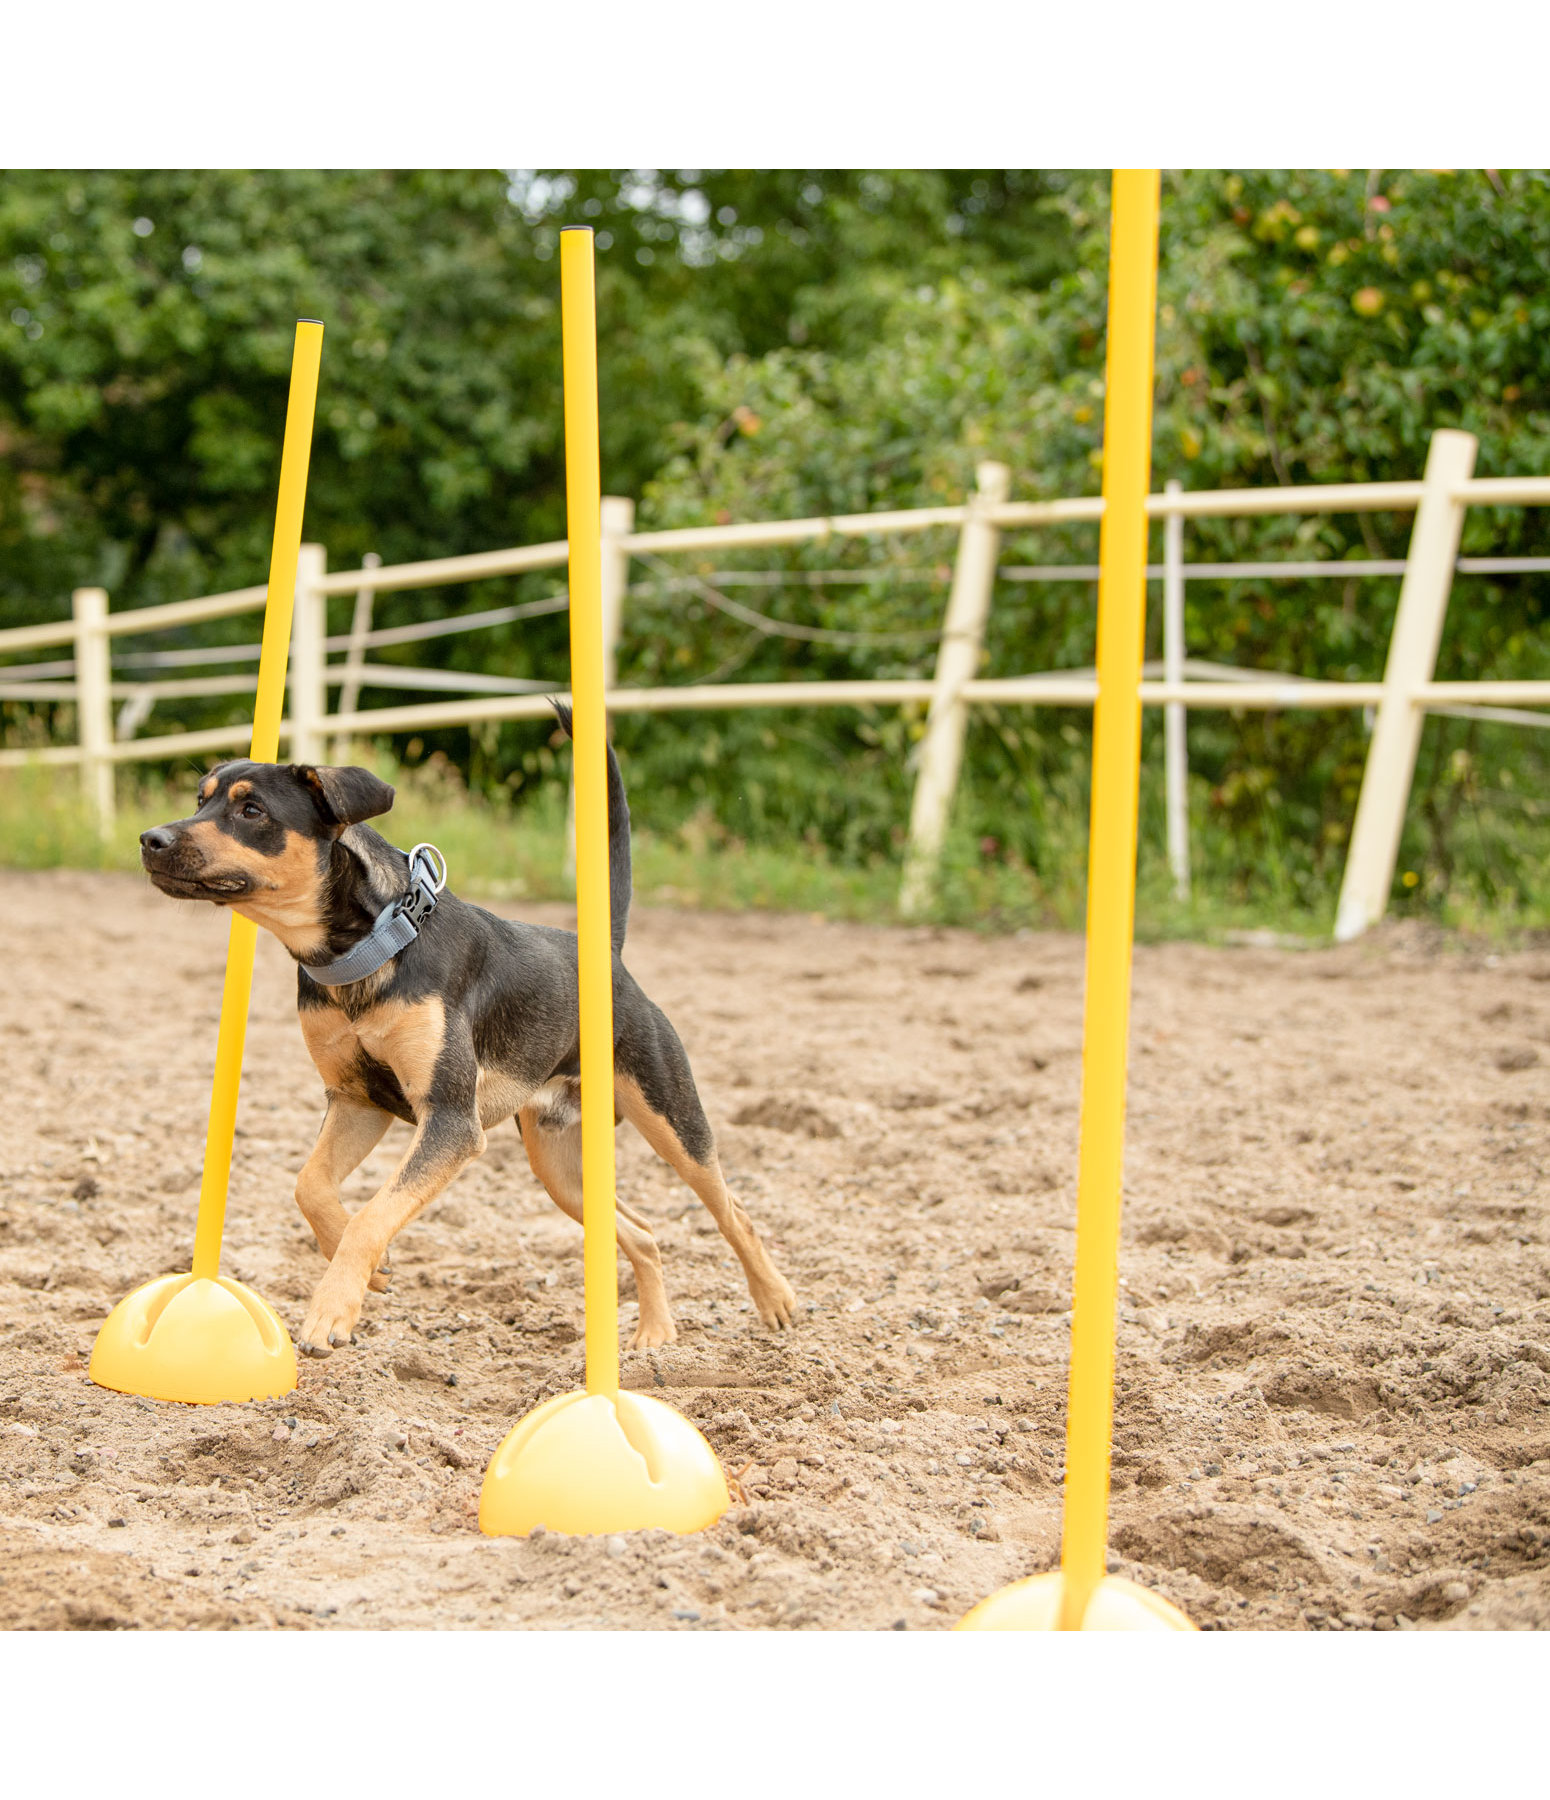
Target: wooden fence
<point>1398,703</point>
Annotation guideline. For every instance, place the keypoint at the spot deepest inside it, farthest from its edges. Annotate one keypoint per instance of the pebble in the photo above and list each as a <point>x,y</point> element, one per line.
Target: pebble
<point>1432,1515</point>
<point>964,1459</point>
<point>570,1587</point>
<point>395,1440</point>
<point>244,1536</point>
<point>617,1546</point>
<point>924,1596</point>
<point>280,1435</point>
<point>115,1522</point>
<point>685,1612</point>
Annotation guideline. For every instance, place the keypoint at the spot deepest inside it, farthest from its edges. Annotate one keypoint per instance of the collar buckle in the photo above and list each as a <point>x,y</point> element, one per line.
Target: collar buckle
<point>427,877</point>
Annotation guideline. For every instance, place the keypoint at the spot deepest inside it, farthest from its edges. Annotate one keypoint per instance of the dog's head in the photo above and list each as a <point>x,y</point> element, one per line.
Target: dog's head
<point>261,839</point>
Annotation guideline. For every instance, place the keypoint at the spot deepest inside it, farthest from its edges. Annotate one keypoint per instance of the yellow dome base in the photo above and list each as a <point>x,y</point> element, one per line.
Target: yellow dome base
<point>201,1339</point>
<point>588,1463</point>
<point>1034,1605</point>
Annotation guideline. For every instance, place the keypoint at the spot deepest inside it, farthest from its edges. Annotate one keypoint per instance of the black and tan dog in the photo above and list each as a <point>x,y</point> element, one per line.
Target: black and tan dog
<point>473,1022</point>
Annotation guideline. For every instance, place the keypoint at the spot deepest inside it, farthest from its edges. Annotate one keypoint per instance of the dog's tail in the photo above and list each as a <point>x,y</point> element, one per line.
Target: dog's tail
<point>619,885</point>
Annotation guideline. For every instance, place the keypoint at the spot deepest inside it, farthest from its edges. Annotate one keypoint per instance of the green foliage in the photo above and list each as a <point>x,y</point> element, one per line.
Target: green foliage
<point>1313,327</point>
<point>806,342</point>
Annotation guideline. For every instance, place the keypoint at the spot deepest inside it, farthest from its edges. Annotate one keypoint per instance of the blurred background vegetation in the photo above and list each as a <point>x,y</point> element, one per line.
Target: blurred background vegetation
<point>790,343</point>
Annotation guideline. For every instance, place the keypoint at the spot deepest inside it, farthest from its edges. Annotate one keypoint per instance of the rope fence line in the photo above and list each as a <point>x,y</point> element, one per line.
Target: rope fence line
<point>93,679</point>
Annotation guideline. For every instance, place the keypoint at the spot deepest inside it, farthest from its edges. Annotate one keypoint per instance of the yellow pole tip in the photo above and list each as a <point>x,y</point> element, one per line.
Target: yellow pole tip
<point>1034,1605</point>
<point>586,1464</point>
<point>309,321</point>
<point>197,1338</point>
<point>586,228</point>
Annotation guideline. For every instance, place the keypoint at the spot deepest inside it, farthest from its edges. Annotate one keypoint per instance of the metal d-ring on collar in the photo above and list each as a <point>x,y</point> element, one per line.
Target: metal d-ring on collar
<point>397,926</point>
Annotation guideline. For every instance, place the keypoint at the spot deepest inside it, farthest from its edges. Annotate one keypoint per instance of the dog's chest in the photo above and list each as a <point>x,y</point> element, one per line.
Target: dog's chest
<point>404,1038</point>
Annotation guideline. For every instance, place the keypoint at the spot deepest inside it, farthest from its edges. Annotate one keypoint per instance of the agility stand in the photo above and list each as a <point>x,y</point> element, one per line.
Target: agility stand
<point>202,1336</point>
<point>601,1460</point>
<point>1079,1596</point>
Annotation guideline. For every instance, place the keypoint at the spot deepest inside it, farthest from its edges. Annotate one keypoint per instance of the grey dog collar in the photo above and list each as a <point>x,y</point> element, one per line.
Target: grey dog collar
<point>397,926</point>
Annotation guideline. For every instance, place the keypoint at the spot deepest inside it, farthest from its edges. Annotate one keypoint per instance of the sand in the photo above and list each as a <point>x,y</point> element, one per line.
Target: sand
<point>1333,1405</point>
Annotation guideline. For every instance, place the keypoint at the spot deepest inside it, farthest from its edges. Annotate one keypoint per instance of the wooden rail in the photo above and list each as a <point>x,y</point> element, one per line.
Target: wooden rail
<point>1399,701</point>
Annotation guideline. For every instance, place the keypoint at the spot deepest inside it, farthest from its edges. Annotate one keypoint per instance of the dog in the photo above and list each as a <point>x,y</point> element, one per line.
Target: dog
<point>474,1020</point>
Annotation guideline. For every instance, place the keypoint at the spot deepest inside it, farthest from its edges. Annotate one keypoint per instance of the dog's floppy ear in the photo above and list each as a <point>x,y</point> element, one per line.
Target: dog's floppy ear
<point>346,796</point>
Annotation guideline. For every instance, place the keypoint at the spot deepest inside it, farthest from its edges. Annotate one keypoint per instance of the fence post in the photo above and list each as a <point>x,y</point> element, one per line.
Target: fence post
<point>93,704</point>
<point>350,691</point>
<point>618,521</point>
<point>309,626</point>
<point>1175,713</point>
<point>1412,659</point>
<point>958,655</point>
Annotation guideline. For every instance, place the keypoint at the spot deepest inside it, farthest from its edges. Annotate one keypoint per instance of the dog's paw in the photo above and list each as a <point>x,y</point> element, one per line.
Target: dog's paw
<point>329,1324</point>
<point>777,1304</point>
<point>651,1332</point>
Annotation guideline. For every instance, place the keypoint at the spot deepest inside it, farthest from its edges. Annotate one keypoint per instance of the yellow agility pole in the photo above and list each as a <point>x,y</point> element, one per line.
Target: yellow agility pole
<point>1081,1596</point>
<point>604,1460</point>
<point>268,708</point>
<point>594,951</point>
<point>202,1336</point>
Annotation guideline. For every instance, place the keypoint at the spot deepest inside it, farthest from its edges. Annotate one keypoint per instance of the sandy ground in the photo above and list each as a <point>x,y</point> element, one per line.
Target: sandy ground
<point>1334,1350</point>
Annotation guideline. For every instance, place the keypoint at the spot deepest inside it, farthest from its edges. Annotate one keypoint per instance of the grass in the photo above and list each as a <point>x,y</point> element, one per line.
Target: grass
<point>503,852</point>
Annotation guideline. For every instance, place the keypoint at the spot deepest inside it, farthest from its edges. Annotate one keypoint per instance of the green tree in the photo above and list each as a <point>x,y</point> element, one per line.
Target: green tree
<point>1313,327</point>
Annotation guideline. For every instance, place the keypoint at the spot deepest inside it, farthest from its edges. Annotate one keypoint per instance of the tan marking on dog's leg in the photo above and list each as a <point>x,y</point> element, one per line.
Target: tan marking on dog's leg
<point>771,1292</point>
<point>556,1160</point>
<point>351,1130</point>
<point>408,1037</point>
<point>331,1043</point>
<point>443,1143</point>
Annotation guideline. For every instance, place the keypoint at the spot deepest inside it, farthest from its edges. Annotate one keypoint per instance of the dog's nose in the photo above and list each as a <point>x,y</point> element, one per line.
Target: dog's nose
<point>159,837</point>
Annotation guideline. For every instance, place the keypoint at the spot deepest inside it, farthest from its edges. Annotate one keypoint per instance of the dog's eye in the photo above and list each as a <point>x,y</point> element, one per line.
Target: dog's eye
<point>252,810</point>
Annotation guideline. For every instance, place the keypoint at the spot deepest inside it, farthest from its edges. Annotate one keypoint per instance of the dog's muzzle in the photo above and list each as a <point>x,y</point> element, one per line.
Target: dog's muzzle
<point>163,857</point>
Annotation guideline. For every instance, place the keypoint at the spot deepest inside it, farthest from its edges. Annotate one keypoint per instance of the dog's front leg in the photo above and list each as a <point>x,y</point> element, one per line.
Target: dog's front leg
<point>351,1131</point>
<point>447,1139</point>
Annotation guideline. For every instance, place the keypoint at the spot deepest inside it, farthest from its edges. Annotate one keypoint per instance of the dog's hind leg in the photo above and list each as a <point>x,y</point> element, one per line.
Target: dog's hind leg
<point>351,1130</point>
<point>554,1150</point>
<point>680,1134</point>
